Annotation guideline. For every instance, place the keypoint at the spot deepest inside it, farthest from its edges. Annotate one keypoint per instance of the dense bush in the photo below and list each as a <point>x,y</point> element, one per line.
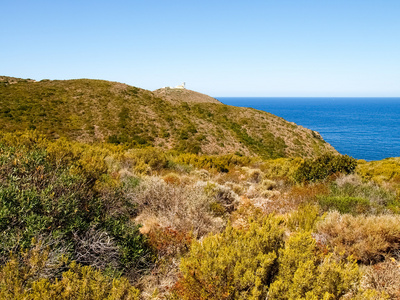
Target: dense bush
<point>23,280</point>
<point>306,274</point>
<point>281,167</point>
<point>238,264</point>
<point>304,218</point>
<point>146,159</point>
<point>254,263</point>
<point>322,167</point>
<point>55,193</point>
<point>382,171</point>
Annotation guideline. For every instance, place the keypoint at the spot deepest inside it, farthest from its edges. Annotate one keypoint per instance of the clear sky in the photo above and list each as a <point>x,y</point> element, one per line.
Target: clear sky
<point>221,48</point>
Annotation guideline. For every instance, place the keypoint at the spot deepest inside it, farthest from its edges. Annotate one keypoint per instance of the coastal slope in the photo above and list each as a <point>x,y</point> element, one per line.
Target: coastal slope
<point>96,110</point>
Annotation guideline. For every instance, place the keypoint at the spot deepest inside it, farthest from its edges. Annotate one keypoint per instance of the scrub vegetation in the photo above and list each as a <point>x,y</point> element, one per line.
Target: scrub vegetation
<point>96,219</point>
<point>96,110</point>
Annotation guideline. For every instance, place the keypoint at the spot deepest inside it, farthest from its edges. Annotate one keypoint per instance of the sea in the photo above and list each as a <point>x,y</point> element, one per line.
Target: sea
<point>363,128</point>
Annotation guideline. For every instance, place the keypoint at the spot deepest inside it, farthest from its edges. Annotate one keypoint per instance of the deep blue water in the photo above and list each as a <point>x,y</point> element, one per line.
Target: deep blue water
<point>364,128</point>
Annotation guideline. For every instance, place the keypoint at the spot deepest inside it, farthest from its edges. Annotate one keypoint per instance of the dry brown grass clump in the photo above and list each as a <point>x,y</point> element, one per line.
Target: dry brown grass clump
<point>290,198</point>
<point>185,208</point>
<point>384,277</point>
<point>367,238</point>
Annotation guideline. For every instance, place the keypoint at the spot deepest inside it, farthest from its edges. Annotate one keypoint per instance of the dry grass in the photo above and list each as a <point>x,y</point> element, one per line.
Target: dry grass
<point>157,284</point>
<point>367,238</point>
<point>384,277</point>
<point>291,197</point>
<point>185,208</point>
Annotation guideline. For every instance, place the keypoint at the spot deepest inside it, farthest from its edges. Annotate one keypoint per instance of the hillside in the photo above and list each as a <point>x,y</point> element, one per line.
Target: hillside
<point>96,110</point>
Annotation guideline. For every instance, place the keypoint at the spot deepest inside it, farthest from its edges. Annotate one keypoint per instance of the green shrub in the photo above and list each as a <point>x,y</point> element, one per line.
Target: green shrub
<point>305,274</point>
<point>44,194</point>
<point>344,204</point>
<point>322,167</point>
<point>79,282</point>
<point>237,264</point>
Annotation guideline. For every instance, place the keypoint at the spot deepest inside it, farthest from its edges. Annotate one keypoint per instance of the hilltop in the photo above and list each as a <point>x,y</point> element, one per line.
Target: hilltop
<point>96,110</point>
<point>183,95</point>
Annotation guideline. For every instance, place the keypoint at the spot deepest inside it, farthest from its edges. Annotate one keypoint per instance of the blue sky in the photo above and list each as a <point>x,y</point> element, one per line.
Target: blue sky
<point>221,48</point>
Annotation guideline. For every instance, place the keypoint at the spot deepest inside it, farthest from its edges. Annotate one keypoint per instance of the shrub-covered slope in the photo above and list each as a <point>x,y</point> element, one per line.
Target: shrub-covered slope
<point>96,110</point>
<point>100,221</point>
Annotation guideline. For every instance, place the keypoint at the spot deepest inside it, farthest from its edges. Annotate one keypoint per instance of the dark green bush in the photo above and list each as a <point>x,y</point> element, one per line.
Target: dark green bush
<point>323,166</point>
<point>42,195</point>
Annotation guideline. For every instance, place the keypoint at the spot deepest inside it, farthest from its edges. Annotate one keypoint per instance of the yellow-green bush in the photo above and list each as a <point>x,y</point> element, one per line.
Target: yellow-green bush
<point>254,263</point>
<point>304,218</point>
<point>27,138</point>
<point>237,264</point>
<point>151,157</point>
<point>305,274</point>
<point>386,170</point>
<point>281,167</point>
<point>27,277</point>
<point>78,282</point>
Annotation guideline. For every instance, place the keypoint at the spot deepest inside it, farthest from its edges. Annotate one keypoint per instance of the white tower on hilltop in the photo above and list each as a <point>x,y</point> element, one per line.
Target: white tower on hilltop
<point>182,86</point>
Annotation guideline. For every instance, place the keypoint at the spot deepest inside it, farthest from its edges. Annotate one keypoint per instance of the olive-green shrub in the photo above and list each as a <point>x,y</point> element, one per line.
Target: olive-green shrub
<point>344,204</point>
<point>323,166</point>
<point>18,281</point>
<point>306,274</point>
<point>54,192</point>
<point>237,264</point>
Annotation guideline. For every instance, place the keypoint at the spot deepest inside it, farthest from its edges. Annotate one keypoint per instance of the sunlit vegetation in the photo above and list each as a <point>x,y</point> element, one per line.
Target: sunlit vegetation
<point>107,221</point>
<point>97,110</point>
<point>118,217</point>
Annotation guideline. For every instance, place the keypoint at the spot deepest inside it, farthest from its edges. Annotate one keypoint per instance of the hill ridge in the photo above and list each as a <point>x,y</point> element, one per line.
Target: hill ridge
<point>98,110</point>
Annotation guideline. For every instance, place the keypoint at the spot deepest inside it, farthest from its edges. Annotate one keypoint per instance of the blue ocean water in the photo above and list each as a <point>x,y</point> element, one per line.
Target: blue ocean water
<point>364,128</point>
